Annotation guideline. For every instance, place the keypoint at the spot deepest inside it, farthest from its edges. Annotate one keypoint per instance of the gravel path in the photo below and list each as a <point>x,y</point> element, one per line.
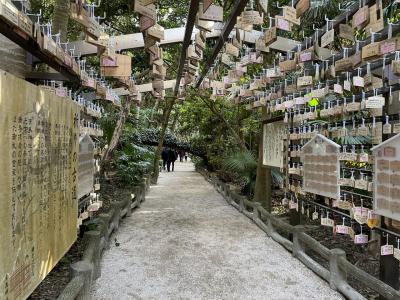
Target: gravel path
<point>186,242</point>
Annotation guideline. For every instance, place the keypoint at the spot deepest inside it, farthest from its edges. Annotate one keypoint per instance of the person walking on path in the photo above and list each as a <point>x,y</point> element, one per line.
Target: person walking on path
<point>172,156</point>
<point>164,157</point>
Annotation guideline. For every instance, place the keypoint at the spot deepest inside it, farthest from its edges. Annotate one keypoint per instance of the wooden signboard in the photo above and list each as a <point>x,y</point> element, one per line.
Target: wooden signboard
<point>38,200</point>
<point>213,13</point>
<point>273,138</point>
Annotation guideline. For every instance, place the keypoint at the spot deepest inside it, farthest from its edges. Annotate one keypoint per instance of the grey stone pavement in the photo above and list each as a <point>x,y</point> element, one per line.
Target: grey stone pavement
<point>186,242</point>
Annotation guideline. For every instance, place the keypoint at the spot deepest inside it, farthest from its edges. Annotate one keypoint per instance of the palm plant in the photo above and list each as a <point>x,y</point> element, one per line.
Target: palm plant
<point>244,165</point>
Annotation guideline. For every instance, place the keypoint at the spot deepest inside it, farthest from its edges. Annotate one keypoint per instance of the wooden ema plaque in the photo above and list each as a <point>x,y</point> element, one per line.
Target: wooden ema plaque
<point>387,178</point>
<point>213,13</point>
<point>321,167</point>
<point>38,202</point>
<point>120,67</point>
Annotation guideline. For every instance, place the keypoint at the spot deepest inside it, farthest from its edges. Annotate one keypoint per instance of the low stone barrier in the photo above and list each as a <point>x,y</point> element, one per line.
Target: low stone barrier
<point>86,271</point>
<point>339,266</point>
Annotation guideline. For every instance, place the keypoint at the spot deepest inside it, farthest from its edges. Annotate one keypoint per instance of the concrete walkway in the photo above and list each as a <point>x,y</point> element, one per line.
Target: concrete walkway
<point>186,242</point>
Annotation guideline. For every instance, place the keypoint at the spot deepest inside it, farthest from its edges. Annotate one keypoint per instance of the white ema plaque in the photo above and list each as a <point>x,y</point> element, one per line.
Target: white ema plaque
<point>321,167</point>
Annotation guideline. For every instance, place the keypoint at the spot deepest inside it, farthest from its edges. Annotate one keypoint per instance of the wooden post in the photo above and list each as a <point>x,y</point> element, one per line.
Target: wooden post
<point>389,266</point>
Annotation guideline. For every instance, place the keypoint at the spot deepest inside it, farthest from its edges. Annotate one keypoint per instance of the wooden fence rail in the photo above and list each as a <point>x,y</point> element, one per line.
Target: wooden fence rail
<point>339,266</point>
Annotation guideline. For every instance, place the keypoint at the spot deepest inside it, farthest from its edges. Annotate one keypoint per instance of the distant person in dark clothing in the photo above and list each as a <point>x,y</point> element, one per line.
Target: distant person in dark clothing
<point>186,156</point>
<point>164,157</point>
<point>181,154</point>
<point>172,156</point>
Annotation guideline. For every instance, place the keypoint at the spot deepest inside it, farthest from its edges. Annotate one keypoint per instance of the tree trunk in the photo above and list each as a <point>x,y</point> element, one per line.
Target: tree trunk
<point>166,115</point>
<point>241,143</point>
<point>126,108</point>
<point>263,188</point>
<point>60,18</point>
<point>175,121</point>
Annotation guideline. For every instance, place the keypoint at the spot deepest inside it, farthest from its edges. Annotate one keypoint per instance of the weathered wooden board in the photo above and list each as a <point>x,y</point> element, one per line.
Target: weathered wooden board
<point>38,199</point>
<point>274,136</point>
<point>85,166</point>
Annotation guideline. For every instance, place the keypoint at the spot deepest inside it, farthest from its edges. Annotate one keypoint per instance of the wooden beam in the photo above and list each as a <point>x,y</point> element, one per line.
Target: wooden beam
<point>29,44</point>
<point>135,40</point>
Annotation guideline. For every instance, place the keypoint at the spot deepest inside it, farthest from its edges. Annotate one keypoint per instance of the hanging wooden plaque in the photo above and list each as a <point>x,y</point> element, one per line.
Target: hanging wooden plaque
<point>376,23</point>
<point>147,2</point>
<point>270,36</point>
<point>213,13</point>
<point>199,41</point>
<point>157,32</point>
<point>252,17</point>
<point>288,65</point>
<point>206,4</point>
<point>146,10</point>
<point>261,46</point>
<point>371,51</point>
<point>346,32</point>
<point>204,25</point>
<point>361,17</point>
<point>231,50</point>
<point>25,24</point>
<point>264,5</point>
<point>149,41</point>
<point>305,80</point>
<point>282,23</point>
<point>290,14</point>
<point>122,67</point>
<point>79,15</point>
<point>146,22</point>
<point>328,38</point>
<point>301,7</point>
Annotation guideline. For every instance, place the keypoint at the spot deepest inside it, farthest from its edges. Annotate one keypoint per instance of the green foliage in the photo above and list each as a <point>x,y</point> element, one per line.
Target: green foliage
<point>244,165</point>
<point>133,163</point>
